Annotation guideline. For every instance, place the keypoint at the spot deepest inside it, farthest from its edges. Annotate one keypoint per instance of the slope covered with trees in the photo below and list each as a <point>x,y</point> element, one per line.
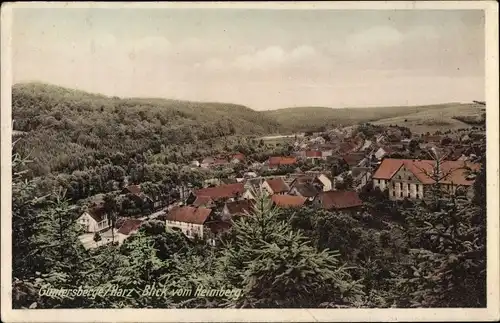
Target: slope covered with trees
<point>432,255</point>
<point>69,130</point>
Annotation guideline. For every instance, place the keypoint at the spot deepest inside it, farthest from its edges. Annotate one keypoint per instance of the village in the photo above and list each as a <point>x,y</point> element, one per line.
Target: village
<point>326,170</point>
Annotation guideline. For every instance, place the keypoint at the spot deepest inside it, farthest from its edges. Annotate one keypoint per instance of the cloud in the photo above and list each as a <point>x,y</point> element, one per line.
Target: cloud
<point>213,64</point>
<point>303,52</point>
<point>274,57</point>
<point>373,39</point>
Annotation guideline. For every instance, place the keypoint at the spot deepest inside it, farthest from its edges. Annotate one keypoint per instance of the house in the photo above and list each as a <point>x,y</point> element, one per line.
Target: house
<point>254,183</point>
<point>382,152</point>
<point>250,193</point>
<point>381,139</point>
<point>250,175</point>
<point>288,201</point>
<point>238,158</point>
<point>346,147</point>
<point>325,153</point>
<point>221,192</point>
<point>237,208</point>
<point>361,177</point>
<point>136,191</point>
<point>207,162</point>
<point>190,220</point>
<point>455,153</point>
<point>94,220</point>
<point>212,182</point>
<point>307,190</point>
<point>366,145</point>
<point>195,163</point>
<point>407,178</point>
<point>252,188</point>
<point>300,153</point>
<point>313,154</point>
<point>338,200</point>
<point>130,226</point>
<point>354,159</point>
<point>275,162</point>
<point>205,201</point>
<point>275,186</point>
<point>326,181</point>
<point>319,179</point>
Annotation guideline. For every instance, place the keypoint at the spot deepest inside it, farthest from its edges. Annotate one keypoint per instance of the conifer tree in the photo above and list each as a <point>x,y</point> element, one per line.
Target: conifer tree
<point>276,267</point>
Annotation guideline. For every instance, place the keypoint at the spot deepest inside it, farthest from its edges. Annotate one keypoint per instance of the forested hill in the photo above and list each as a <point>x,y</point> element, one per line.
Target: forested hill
<point>68,126</point>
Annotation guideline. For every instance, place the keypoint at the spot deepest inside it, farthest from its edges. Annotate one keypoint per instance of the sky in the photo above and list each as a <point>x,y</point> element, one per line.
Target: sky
<point>264,59</point>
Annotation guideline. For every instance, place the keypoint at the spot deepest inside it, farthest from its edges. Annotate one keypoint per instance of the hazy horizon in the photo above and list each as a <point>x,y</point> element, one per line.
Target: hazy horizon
<point>262,59</point>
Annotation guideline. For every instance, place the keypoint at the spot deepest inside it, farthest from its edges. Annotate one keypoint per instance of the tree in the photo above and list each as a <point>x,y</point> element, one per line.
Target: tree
<point>276,267</point>
<point>447,266</point>
<point>111,209</point>
<point>97,237</point>
<point>412,146</point>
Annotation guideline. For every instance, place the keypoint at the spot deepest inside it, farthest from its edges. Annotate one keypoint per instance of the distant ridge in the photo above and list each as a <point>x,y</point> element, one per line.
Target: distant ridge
<point>248,121</point>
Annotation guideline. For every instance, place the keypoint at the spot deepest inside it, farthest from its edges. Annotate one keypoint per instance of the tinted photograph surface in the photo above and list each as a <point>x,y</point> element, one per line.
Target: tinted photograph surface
<point>248,157</point>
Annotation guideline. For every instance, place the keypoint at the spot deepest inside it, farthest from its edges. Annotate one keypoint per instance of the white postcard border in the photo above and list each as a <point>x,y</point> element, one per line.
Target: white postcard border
<point>268,315</point>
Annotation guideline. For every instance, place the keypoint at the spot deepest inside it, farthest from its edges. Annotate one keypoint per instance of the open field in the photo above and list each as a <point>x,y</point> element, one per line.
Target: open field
<point>419,118</point>
<point>431,120</point>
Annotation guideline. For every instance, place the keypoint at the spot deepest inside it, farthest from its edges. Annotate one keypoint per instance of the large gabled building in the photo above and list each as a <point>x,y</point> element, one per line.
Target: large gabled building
<point>413,179</point>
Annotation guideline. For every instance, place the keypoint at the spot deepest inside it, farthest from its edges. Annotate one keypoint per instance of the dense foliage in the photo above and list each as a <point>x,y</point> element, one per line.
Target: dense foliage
<point>72,130</point>
<point>391,254</point>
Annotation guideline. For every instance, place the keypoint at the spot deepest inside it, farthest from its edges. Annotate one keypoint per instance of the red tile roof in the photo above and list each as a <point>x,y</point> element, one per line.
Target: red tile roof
<point>453,171</point>
<point>288,200</point>
<point>278,185</point>
<point>129,226</point>
<point>220,162</point>
<point>313,153</point>
<point>277,161</point>
<point>221,191</point>
<point>189,214</point>
<point>202,201</point>
<point>339,199</point>
<point>97,213</point>
<point>346,147</point>
<point>240,207</point>
<point>354,158</point>
<point>239,156</point>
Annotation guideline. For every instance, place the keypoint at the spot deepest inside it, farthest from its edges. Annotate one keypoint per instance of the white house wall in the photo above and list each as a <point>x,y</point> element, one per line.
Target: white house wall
<point>189,229</point>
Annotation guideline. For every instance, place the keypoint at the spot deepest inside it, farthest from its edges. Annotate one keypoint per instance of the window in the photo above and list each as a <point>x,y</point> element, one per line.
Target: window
<point>409,178</point>
<point>408,188</point>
